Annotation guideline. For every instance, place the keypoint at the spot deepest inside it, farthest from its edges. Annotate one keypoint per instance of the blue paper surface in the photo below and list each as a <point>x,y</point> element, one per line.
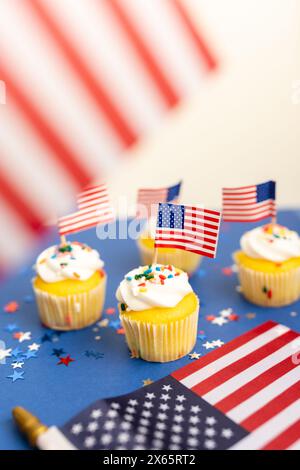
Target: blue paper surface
<point>55,392</point>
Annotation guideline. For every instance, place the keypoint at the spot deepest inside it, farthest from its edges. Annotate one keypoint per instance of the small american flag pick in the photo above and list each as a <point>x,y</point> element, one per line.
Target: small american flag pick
<point>249,203</point>
<point>148,197</point>
<point>188,228</point>
<point>94,208</point>
<point>244,395</point>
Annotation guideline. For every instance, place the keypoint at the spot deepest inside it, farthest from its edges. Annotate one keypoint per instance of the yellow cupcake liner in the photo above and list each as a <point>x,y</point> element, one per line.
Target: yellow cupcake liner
<point>270,289</point>
<point>71,312</point>
<point>161,342</point>
<point>185,260</point>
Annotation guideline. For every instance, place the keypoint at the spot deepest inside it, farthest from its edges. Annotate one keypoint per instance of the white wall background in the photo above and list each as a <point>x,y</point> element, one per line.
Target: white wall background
<point>243,127</point>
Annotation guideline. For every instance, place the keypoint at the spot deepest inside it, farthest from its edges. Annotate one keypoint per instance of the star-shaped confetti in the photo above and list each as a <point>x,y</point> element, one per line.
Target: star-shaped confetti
<point>103,323</point>
<point>120,331</point>
<point>194,355</point>
<point>11,327</point>
<point>45,338</point>
<point>57,352</point>
<point>147,382</point>
<point>16,352</point>
<point>17,364</point>
<point>110,311</point>
<point>34,347</point>
<point>4,353</point>
<point>65,360</point>
<point>29,354</point>
<point>219,321</point>
<point>227,271</point>
<point>16,376</point>
<point>11,307</point>
<point>22,336</point>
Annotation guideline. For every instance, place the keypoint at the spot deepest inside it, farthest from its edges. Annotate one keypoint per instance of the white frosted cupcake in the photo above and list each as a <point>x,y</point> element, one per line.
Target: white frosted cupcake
<point>159,312</point>
<point>185,260</point>
<point>269,265</point>
<point>69,286</point>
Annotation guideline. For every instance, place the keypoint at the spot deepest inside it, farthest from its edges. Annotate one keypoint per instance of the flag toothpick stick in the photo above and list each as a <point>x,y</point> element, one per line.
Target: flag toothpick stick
<point>63,240</point>
<point>155,254</point>
<point>274,220</point>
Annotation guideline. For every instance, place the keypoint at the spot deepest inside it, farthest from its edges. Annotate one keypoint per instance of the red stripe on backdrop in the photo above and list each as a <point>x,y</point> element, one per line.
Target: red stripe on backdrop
<point>285,439</point>
<point>164,86</point>
<point>82,71</point>
<point>60,151</point>
<point>18,204</point>
<point>255,385</point>
<point>201,46</point>
<point>272,408</point>
<point>225,349</point>
<point>244,363</point>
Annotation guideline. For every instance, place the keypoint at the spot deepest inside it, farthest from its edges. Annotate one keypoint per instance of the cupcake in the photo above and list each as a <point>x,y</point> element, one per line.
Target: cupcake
<point>159,312</point>
<point>269,265</point>
<point>69,286</point>
<point>185,260</point>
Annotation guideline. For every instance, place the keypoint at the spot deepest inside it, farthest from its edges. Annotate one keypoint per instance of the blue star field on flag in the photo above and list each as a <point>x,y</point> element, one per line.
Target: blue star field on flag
<point>164,415</point>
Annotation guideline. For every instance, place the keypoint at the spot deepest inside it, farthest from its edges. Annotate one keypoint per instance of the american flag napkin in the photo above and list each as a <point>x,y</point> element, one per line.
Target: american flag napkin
<point>244,395</point>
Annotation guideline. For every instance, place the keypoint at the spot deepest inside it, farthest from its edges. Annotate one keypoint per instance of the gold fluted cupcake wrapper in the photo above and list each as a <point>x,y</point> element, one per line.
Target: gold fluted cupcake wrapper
<point>185,260</point>
<point>161,342</point>
<point>270,289</point>
<point>71,312</point>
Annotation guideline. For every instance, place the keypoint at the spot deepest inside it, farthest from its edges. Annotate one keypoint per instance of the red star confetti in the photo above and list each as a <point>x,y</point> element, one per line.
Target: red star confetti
<point>17,335</point>
<point>110,311</point>
<point>120,331</point>
<point>11,307</point>
<point>210,317</point>
<point>227,271</point>
<point>65,360</point>
<point>233,317</point>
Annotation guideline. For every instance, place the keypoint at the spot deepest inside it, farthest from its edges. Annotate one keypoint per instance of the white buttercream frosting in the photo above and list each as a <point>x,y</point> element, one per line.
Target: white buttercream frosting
<point>271,242</point>
<point>165,287</point>
<point>72,261</point>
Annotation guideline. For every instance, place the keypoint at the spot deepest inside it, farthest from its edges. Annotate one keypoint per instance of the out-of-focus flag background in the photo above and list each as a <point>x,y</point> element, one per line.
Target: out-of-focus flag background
<point>87,87</point>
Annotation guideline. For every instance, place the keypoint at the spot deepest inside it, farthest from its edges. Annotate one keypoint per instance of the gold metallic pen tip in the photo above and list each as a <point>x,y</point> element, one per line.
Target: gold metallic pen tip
<point>28,424</point>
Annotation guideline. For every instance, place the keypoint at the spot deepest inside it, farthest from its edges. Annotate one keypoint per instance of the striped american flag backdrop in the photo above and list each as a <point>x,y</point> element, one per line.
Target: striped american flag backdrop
<point>94,207</point>
<point>188,228</point>
<point>244,395</point>
<point>84,81</point>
